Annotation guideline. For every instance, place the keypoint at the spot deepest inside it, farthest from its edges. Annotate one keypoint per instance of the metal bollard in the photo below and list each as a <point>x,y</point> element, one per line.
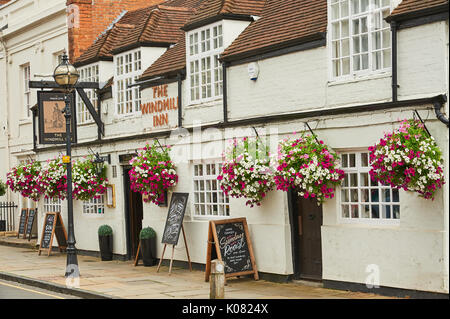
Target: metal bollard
<point>217,280</point>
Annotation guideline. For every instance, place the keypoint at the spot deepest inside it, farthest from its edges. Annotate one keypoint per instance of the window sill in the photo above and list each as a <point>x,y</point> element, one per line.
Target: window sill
<point>133,116</point>
<point>360,78</point>
<point>208,103</point>
<point>25,121</point>
<point>207,218</point>
<point>85,123</point>
<point>362,223</point>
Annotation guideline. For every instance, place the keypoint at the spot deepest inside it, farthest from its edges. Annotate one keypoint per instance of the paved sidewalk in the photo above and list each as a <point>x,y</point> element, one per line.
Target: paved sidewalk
<point>122,280</point>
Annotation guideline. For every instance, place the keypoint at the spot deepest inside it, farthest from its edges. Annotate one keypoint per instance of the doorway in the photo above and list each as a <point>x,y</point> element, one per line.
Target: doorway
<point>133,215</point>
<point>306,223</point>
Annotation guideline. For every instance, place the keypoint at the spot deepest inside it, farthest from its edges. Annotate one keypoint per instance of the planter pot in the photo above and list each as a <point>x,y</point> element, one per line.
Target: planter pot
<point>106,247</point>
<point>148,249</point>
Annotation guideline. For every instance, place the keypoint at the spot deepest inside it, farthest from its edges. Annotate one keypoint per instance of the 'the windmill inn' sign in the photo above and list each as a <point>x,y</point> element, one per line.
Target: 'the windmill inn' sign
<point>161,106</point>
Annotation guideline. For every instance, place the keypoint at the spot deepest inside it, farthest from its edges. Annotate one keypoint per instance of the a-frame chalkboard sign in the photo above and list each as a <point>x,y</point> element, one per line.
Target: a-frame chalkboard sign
<point>23,223</point>
<point>30,222</point>
<point>233,246</point>
<point>174,224</point>
<point>53,225</point>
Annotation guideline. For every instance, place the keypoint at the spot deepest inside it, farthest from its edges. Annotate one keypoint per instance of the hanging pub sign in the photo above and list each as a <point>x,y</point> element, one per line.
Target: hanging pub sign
<point>52,122</point>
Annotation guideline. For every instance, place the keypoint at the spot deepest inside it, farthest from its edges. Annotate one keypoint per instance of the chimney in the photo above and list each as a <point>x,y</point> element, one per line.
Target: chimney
<point>88,18</point>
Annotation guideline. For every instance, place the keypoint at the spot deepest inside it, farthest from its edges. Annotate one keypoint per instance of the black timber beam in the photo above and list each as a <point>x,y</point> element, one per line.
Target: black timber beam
<point>91,109</point>
<point>53,85</point>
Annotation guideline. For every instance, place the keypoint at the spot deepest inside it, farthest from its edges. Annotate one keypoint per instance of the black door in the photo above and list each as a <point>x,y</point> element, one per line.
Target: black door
<point>133,215</point>
<point>308,217</point>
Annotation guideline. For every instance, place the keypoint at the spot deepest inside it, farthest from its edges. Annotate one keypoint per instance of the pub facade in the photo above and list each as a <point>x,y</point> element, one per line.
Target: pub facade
<point>198,74</point>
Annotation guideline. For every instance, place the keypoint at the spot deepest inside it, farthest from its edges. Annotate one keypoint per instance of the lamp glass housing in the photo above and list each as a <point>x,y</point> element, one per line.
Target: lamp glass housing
<point>66,75</point>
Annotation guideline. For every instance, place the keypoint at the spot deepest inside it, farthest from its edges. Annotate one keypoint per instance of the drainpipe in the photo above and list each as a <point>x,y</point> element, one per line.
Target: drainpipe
<point>437,109</point>
<point>8,159</point>
<point>180,100</point>
<point>394,61</point>
<point>225,99</point>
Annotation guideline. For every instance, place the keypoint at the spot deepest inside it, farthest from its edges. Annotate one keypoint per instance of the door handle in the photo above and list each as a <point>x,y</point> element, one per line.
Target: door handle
<point>311,216</point>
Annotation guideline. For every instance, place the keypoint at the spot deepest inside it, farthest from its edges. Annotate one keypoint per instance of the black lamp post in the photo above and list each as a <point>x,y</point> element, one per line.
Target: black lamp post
<point>66,76</point>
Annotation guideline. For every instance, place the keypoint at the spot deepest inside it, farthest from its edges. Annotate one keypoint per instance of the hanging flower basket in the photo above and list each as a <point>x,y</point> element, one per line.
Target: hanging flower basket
<point>246,172</point>
<point>25,179</point>
<point>153,173</point>
<point>307,166</point>
<point>87,184</point>
<point>53,179</point>
<point>408,159</point>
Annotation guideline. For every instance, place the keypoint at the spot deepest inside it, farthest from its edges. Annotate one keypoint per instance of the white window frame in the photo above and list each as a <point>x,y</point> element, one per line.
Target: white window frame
<point>89,73</point>
<point>95,206</point>
<point>52,205</point>
<point>26,77</point>
<point>215,67</point>
<point>125,73</point>
<point>207,202</point>
<point>354,75</point>
<point>359,169</point>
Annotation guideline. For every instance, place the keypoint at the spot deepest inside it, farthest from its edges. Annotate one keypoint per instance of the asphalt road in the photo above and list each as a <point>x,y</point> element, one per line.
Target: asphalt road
<point>13,290</point>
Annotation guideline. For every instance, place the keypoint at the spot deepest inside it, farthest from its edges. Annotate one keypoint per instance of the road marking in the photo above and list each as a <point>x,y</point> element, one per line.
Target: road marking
<point>30,290</point>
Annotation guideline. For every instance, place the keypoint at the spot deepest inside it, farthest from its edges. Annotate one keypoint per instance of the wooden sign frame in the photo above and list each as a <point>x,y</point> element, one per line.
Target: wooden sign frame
<point>213,240</point>
<point>110,196</point>
<point>58,219</point>
<point>24,223</point>
<point>29,230</point>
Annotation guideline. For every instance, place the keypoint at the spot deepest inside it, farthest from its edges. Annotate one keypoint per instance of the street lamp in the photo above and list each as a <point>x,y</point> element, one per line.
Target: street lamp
<point>66,76</point>
<point>98,162</point>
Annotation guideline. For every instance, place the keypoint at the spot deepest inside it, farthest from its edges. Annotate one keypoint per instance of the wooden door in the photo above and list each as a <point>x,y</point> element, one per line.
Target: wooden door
<point>136,216</point>
<point>309,239</point>
<point>133,216</point>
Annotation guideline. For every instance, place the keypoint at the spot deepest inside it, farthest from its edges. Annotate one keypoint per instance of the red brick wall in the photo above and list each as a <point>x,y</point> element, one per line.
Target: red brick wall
<point>89,18</point>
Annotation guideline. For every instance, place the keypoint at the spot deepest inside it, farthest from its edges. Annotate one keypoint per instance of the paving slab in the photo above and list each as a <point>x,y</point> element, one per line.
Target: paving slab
<point>120,279</point>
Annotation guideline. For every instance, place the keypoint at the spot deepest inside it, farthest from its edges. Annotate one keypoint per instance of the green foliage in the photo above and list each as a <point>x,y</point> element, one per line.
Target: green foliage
<point>2,188</point>
<point>147,233</point>
<point>105,230</point>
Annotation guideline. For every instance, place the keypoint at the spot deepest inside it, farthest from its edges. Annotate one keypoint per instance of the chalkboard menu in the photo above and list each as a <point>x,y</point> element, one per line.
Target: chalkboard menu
<point>233,247</point>
<point>53,224</point>
<point>30,222</point>
<point>22,222</point>
<point>175,217</point>
<point>47,234</point>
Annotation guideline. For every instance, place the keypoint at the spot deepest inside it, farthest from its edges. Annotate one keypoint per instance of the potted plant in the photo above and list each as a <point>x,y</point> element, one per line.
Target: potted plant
<point>105,240</point>
<point>148,246</point>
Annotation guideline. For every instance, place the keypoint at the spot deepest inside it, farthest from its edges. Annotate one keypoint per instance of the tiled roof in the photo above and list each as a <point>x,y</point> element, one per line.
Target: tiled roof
<point>154,25</point>
<point>410,6</point>
<point>214,9</point>
<point>172,61</point>
<point>282,23</point>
